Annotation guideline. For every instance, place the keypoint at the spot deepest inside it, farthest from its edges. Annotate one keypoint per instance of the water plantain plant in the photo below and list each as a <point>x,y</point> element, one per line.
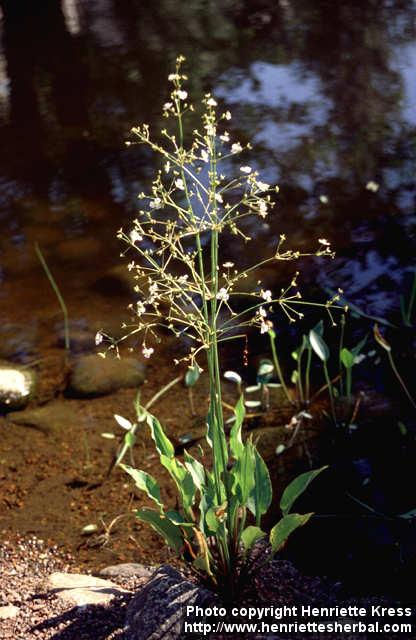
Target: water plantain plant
<point>185,284</point>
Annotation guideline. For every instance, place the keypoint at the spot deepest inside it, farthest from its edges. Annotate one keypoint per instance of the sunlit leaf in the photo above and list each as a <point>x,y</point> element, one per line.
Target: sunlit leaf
<point>233,376</point>
<point>196,469</point>
<point>123,422</point>
<point>319,345</point>
<point>347,358</point>
<point>236,442</point>
<point>250,536</point>
<point>297,487</point>
<point>164,527</point>
<point>162,442</point>
<point>145,482</point>
<point>287,525</point>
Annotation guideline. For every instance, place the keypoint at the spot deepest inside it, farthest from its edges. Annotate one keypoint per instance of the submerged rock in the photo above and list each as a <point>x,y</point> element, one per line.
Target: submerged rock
<point>95,376</point>
<point>52,417</point>
<point>80,590</point>
<point>158,609</point>
<point>17,386</point>
<point>17,341</point>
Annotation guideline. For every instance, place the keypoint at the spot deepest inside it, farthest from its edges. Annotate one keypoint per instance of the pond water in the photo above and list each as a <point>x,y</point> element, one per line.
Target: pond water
<point>325,91</point>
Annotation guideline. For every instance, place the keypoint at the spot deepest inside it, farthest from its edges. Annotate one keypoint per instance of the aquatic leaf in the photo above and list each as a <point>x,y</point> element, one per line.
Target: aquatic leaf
<point>280,448</point>
<point>182,478</point>
<point>261,494</point>
<point>123,422</point>
<point>233,376</point>
<point>319,328</point>
<point>357,349</point>
<point>178,518</point>
<point>164,527</point>
<point>287,525</point>
<point>108,435</point>
<point>192,376</point>
<point>297,487</point>
<point>243,474</point>
<point>236,442</point>
<point>196,469</point>
<point>347,358</point>
<point>250,536</point>
<point>380,339</point>
<point>145,482</point>
<point>252,404</point>
<point>252,389</point>
<point>265,371</point>
<point>319,345</point>
<point>162,442</point>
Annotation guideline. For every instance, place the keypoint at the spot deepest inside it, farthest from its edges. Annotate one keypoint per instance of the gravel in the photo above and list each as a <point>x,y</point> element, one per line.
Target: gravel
<point>25,563</point>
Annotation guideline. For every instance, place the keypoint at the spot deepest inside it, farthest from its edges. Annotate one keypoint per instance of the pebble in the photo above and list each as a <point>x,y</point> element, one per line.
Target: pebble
<point>9,611</point>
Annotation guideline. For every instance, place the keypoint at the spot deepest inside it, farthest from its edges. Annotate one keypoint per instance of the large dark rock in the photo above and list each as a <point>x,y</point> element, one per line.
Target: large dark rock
<point>95,376</point>
<point>158,609</point>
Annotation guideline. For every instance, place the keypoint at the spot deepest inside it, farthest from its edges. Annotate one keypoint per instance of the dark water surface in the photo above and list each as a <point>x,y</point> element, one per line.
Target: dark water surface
<point>326,90</point>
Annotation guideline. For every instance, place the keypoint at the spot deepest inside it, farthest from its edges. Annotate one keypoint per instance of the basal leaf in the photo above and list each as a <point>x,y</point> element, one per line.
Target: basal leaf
<point>250,536</point>
<point>145,482</point>
<point>236,443</point>
<point>296,488</point>
<point>282,530</point>
<point>319,345</point>
<point>162,442</point>
<point>164,527</point>
<point>261,494</point>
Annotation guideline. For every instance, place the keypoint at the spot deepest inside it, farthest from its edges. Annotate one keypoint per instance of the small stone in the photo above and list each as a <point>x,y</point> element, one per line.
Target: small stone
<point>52,417</point>
<point>17,386</point>
<point>95,376</point>
<point>81,590</point>
<point>9,611</point>
<point>128,570</point>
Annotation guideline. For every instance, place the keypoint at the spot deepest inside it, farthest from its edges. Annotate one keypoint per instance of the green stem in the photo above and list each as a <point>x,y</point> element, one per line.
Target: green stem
<point>308,373</point>
<point>341,345</point>
<point>57,293</point>
<point>272,337</point>
<point>399,378</point>
<point>331,394</point>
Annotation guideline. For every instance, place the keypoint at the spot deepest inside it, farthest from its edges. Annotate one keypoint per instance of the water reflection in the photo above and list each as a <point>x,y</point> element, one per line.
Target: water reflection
<point>326,91</point>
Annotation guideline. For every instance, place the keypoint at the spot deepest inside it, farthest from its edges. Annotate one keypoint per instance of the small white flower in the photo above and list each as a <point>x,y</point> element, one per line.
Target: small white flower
<point>147,351</point>
<point>262,312</point>
<point>245,169</point>
<point>211,102</point>
<point>323,199</point>
<point>324,242</point>
<point>262,211</point>
<point>98,338</point>
<point>135,236</point>
<point>210,129</point>
<point>173,76</point>
<point>236,147</point>
<point>141,308</point>
<point>204,155</point>
<point>266,295</point>
<point>167,106</point>
<point>167,167</point>
<point>227,115</point>
<point>262,186</point>
<point>228,265</point>
<point>372,186</point>
<point>218,197</point>
<point>179,184</point>
<point>265,326</point>
<point>182,95</point>
<point>156,203</point>
<point>223,295</point>
<point>225,137</point>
